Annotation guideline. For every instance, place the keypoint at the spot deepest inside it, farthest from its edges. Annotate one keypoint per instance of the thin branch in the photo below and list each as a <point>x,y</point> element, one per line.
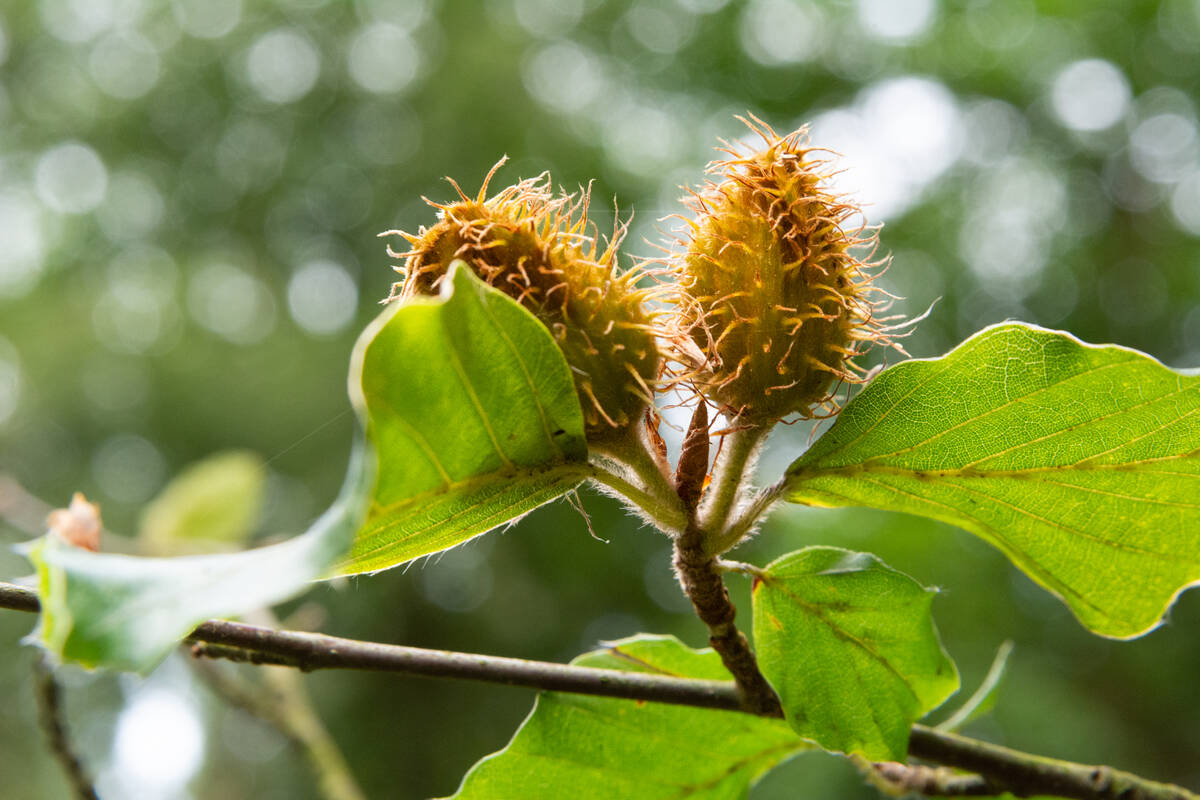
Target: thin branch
<point>1026,775</point>
<point>50,712</point>
<point>702,581</point>
<point>1022,774</point>
<point>696,564</point>
<point>18,598</point>
<point>898,779</point>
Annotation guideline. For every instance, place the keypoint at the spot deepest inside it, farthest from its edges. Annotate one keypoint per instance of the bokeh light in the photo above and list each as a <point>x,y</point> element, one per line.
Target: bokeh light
<point>1090,95</point>
<point>71,178</point>
<point>231,303</point>
<point>190,192</point>
<point>322,298</point>
<point>10,380</point>
<point>158,744</point>
<point>282,66</point>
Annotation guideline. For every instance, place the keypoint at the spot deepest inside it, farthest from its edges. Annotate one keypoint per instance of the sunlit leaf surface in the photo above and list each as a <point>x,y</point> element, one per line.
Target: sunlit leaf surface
<point>850,645</point>
<point>1079,462</point>
<point>585,747</point>
<point>475,417</point>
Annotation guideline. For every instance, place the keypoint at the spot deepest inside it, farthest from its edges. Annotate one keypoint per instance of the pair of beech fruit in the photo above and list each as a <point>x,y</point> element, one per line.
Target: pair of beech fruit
<point>760,307</point>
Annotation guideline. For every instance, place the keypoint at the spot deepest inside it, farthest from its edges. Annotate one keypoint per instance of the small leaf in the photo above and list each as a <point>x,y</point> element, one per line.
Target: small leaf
<point>212,502</point>
<point>1079,462</point>
<point>850,645</point>
<point>475,416</point>
<point>582,747</point>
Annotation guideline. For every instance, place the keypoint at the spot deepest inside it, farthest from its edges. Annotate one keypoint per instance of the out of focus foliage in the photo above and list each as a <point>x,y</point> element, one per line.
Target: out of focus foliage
<point>189,196</point>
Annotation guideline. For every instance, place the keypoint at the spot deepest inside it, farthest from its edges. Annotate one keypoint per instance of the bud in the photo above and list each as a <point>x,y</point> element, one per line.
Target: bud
<point>539,248</point>
<point>773,301</point>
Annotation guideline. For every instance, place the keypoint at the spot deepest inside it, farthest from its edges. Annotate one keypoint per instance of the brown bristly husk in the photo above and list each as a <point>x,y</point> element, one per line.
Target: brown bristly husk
<point>774,301</point>
<point>538,247</point>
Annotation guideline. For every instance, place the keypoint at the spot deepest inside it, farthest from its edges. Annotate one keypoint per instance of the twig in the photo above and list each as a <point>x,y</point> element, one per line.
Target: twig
<point>50,712</point>
<point>696,564</point>
<point>898,778</point>
<point>1026,775</point>
<point>1022,774</point>
<point>700,576</point>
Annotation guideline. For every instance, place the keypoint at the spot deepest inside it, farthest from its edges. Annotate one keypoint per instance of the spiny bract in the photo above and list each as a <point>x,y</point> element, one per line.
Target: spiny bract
<point>771,291</point>
<point>537,247</point>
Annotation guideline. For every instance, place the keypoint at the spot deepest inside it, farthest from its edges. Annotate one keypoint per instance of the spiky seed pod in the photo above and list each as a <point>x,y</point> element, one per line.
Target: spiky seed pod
<point>772,292</point>
<point>538,247</point>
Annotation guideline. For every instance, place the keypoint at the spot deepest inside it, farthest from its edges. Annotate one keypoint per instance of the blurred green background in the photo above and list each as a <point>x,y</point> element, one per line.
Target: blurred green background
<point>189,196</point>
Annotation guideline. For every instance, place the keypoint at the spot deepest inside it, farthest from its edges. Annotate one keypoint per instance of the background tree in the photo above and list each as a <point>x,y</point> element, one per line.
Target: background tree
<point>188,201</point>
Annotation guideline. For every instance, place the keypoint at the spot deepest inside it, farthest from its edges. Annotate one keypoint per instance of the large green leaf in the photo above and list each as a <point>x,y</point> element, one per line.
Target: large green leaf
<point>474,413</point>
<point>582,747</point>
<point>850,646</point>
<point>471,420</point>
<point>1079,462</point>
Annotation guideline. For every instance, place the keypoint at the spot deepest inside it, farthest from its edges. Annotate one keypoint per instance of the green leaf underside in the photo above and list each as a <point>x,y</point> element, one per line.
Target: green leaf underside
<point>475,417</point>
<point>127,612</point>
<point>581,747</point>
<point>1079,462</point>
<point>850,646</point>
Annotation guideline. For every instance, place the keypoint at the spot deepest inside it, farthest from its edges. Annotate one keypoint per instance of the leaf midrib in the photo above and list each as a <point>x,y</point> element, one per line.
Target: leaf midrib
<point>777,583</point>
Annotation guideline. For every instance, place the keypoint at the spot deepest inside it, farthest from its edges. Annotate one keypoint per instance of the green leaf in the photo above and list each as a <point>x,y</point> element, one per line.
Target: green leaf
<point>584,747</point>
<point>850,646</point>
<point>127,612</point>
<point>213,502</point>
<point>475,417</point>
<point>471,420</point>
<point>1079,462</point>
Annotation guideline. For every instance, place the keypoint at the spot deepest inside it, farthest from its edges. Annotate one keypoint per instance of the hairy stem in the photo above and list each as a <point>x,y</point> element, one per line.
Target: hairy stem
<point>1020,773</point>
<point>651,489</point>
<point>665,511</point>
<point>743,524</point>
<point>730,473</point>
